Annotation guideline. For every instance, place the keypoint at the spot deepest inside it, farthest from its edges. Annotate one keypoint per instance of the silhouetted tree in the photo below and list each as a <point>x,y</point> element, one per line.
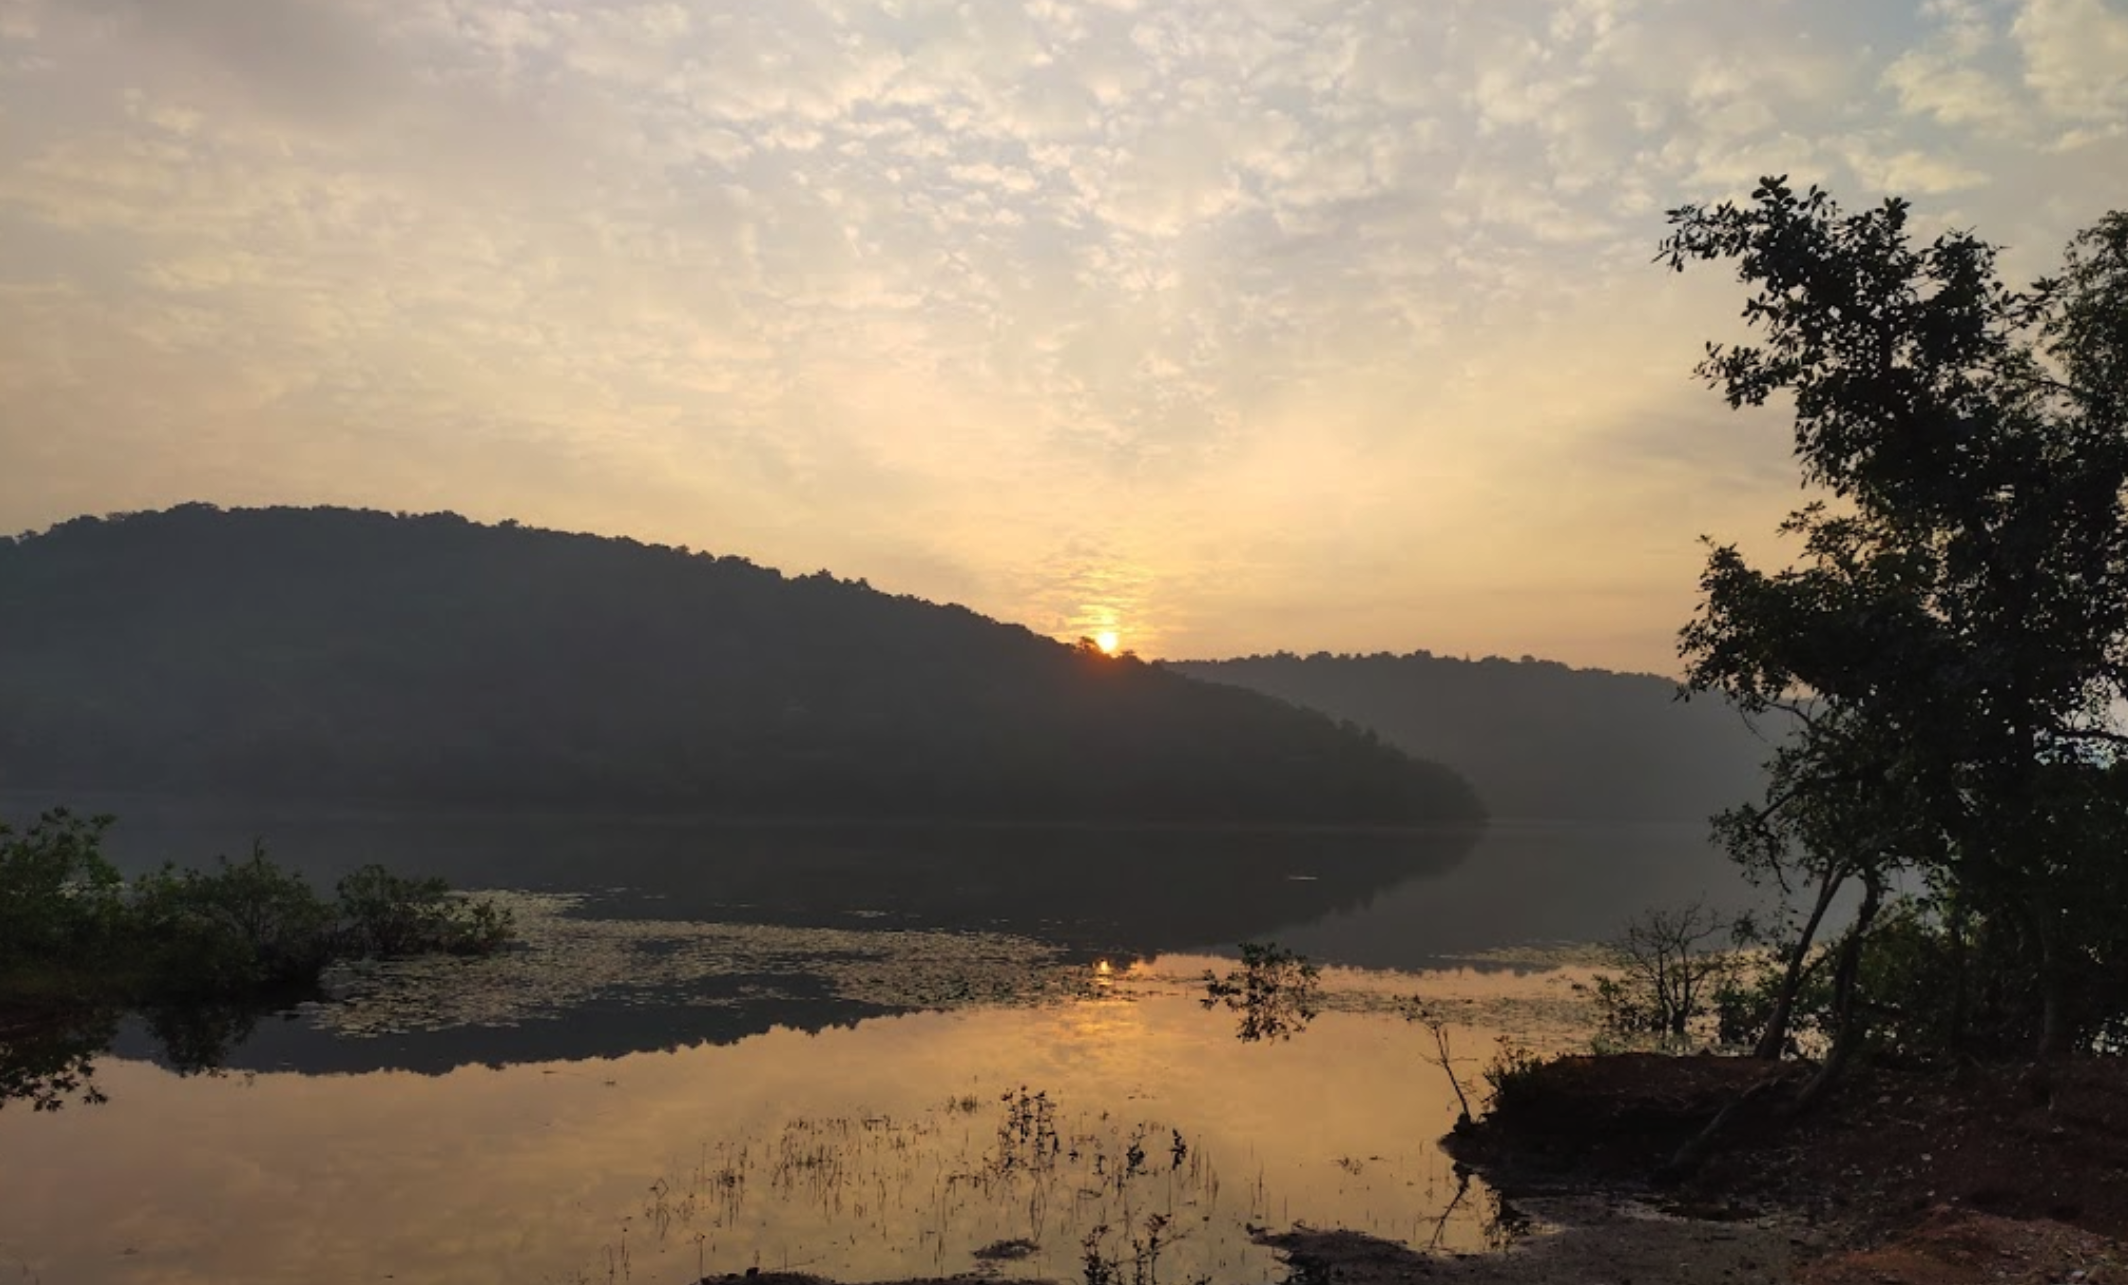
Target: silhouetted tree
<point>1955,632</point>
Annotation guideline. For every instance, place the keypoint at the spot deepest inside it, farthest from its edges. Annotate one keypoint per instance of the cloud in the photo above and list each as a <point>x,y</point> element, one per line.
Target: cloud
<point>1346,298</point>
<point>311,62</point>
<point>2076,59</point>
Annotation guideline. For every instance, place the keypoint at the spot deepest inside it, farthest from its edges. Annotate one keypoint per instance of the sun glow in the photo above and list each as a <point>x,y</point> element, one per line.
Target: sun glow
<point>1106,640</point>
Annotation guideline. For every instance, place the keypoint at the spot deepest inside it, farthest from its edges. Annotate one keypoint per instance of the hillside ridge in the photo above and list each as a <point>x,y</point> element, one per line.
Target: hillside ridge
<point>347,654</point>
<point>1537,739</point>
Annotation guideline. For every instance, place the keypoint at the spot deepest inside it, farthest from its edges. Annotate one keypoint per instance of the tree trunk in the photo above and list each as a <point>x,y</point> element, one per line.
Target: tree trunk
<point>2053,1022</point>
<point>1774,1039</point>
<point>1961,985</point>
<point>1846,1030</point>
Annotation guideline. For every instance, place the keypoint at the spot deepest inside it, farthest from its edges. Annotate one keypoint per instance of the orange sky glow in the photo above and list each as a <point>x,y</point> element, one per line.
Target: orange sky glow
<point>1226,327</point>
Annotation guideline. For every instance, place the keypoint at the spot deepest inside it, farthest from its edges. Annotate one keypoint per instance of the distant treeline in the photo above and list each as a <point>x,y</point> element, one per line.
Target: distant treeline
<point>335,654</point>
<point>1537,739</point>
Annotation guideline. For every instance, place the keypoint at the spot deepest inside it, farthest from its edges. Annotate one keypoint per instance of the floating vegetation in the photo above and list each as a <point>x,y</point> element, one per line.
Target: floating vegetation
<point>567,960</point>
<point>1534,957</point>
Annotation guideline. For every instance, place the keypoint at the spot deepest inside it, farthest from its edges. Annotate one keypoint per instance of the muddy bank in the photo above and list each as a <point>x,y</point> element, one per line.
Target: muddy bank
<point>1891,1146</point>
<point>1909,1174</point>
<point>1577,1238</point>
<point>1586,1238</point>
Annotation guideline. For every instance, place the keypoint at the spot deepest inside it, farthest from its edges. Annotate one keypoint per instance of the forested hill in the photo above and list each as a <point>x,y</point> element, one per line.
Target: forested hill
<point>1537,739</point>
<point>330,654</point>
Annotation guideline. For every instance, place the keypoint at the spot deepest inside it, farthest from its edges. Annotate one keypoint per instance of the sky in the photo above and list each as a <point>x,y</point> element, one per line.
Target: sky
<point>1228,326</point>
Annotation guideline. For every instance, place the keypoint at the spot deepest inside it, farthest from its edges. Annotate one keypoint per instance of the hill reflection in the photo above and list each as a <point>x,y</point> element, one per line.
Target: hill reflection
<point>1117,889</point>
<point>656,935</point>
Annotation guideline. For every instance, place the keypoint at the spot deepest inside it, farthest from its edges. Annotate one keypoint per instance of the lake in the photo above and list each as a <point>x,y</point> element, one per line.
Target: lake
<point>868,1052</point>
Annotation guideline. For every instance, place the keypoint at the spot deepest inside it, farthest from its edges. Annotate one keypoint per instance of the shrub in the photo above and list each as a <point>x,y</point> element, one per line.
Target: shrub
<point>73,933</point>
<point>1667,977</point>
<point>383,914</point>
<point>247,924</point>
<point>1512,1074</point>
<point>59,898</point>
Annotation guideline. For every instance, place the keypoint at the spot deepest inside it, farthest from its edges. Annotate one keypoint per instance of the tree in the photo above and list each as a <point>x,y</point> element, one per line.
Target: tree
<point>1955,631</point>
<point>59,896</point>
<point>1666,972</point>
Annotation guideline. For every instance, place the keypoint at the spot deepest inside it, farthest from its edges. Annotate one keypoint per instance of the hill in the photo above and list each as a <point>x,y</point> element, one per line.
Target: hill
<point>1537,739</point>
<point>343,655</point>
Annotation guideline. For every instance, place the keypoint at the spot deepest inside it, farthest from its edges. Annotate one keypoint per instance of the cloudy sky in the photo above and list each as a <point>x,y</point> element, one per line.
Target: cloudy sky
<point>1230,325</point>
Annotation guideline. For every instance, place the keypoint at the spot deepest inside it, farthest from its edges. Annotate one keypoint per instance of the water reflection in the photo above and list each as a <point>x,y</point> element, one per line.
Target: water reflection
<point>690,934</point>
<point>49,1063</point>
<point>906,1145</point>
<point>850,1050</point>
<point>1399,900</point>
<point>647,935</point>
<point>1128,890</point>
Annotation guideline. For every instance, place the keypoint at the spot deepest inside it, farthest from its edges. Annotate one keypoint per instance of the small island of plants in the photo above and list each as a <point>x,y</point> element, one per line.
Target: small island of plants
<point>80,944</point>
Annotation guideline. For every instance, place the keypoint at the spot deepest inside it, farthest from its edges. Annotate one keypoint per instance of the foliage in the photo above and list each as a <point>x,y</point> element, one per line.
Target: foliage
<point>1666,978</point>
<point>246,925</point>
<point>1275,991</point>
<point>1512,1073</point>
<point>383,914</point>
<point>59,897</point>
<point>1745,997</point>
<point>1953,638</point>
<point>196,950</point>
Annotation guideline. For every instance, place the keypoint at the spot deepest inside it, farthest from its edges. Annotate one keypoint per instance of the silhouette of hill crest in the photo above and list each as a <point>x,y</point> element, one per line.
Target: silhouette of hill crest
<point>336,654</point>
<point>1537,739</point>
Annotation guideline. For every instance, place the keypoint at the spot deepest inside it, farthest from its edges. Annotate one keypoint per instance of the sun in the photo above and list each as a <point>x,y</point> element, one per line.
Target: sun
<point>1106,640</point>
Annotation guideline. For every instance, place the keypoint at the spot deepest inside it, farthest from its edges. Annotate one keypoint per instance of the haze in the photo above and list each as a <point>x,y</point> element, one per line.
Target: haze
<point>1225,326</point>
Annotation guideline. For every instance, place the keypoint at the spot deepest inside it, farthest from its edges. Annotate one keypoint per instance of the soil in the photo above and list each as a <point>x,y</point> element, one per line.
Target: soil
<point>1892,1146</point>
<point>1907,1176</point>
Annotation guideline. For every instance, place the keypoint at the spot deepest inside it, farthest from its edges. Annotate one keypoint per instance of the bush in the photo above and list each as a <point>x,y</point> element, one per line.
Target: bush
<point>1512,1074</point>
<point>1667,978</point>
<point>383,914</point>
<point>249,924</point>
<point>59,898</point>
<point>72,933</point>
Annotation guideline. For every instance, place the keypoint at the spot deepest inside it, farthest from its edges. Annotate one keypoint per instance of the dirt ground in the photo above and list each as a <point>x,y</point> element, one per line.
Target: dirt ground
<point>1907,1175</point>
<point>1890,1148</point>
<point>1913,1176</point>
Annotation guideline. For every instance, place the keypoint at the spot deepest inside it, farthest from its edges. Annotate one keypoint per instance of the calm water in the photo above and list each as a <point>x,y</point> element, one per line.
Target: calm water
<point>857,1051</point>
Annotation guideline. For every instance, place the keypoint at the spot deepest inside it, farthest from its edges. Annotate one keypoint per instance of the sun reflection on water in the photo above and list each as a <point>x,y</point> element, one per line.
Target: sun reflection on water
<point>1010,1140</point>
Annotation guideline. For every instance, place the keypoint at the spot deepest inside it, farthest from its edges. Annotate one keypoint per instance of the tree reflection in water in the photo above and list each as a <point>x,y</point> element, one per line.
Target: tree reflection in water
<point>50,1062</point>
